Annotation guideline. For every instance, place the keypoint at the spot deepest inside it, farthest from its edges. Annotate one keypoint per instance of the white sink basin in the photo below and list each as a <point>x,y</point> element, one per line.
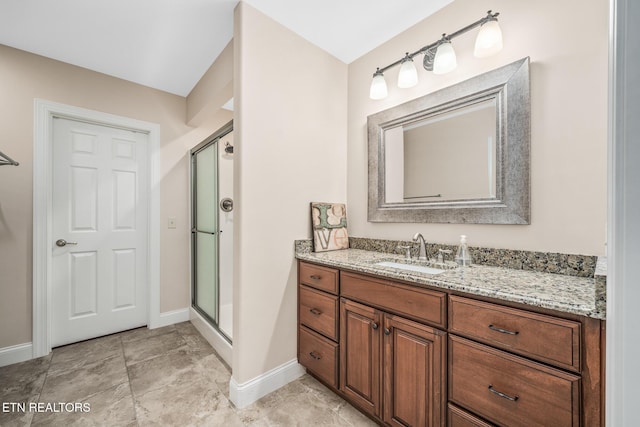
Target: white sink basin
<point>411,267</point>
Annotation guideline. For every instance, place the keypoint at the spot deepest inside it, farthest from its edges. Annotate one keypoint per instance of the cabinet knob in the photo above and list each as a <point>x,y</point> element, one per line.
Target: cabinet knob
<point>387,331</point>
<point>374,325</point>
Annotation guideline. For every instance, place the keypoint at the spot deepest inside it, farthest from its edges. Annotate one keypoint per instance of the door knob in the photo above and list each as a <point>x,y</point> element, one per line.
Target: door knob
<point>62,242</point>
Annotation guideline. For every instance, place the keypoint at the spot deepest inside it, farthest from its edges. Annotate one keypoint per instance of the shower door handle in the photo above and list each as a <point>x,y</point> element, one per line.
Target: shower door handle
<point>226,204</point>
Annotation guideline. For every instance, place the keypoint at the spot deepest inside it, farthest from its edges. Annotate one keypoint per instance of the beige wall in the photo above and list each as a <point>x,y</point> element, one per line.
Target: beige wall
<point>290,133</point>
<point>301,137</point>
<point>213,89</point>
<point>567,43</point>
<point>23,77</point>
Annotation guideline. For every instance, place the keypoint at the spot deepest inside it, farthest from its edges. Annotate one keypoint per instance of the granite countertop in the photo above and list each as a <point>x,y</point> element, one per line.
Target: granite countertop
<point>584,296</point>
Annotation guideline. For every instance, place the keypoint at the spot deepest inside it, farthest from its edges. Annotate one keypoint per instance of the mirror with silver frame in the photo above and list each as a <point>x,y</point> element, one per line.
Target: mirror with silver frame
<point>458,155</point>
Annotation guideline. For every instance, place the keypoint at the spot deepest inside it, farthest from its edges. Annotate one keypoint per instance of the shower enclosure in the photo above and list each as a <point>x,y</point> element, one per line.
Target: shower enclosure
<point>212,230</point>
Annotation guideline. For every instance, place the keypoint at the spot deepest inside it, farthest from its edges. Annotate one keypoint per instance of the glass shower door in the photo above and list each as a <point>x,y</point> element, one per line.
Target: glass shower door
<point>205,231</point>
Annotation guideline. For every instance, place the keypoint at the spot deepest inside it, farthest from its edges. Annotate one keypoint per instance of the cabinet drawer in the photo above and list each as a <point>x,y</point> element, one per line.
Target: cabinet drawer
<point>322,278</point>
<point>509,390</point>
<point>545,338</point>
<point>416,303</point>
<point>460,418</point>
<point>319,311</point>
<point>319,355</point>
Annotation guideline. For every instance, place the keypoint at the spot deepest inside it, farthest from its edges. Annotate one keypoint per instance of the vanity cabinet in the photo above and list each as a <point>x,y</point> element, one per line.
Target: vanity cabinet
<point>416,303</point>
<point>361,355</point>
<point>389,353</point>
<point>548,339</point>
<point>416,356</point>
<point>414,376</point>
<point>392,367</point>
<point>318,316</point>
<point>319,311</point>
<point>495,369</point>
<point>510,390</point>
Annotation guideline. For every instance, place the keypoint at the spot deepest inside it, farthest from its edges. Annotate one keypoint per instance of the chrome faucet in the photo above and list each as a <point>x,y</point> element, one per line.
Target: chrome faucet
<point>422,252</point>
<point>442,253</point>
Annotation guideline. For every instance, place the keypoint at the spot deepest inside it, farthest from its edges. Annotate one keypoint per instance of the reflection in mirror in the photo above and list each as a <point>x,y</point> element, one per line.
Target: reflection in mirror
<point>458,155</point>
<point>465,137</point>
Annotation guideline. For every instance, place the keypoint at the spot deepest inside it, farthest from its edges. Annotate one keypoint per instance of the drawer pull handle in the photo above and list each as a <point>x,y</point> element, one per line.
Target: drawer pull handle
<point>502,331</point>
<point>315,277</point>
<point>315,355</point>
<point>374,325</point>
<point>499,393</point>
<point>315,311</point>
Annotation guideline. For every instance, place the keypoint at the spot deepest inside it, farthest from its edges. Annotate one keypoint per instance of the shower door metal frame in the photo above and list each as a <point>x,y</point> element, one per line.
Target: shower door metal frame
<point>213,139</point>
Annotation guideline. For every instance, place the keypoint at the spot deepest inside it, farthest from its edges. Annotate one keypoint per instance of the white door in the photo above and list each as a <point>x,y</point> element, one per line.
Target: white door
<point>100,206</point>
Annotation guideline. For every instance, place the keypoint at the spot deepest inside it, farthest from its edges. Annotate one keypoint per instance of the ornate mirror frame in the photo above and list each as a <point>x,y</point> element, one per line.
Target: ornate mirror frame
<point>509,85</point>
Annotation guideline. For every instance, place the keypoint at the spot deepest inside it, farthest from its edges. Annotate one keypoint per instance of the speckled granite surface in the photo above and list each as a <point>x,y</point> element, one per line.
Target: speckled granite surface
<point>547,262</point>
<point>564,293</point>
<point>600,277</point>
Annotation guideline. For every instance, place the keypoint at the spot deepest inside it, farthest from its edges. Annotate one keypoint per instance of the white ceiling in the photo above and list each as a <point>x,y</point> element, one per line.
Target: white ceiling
<point>170,44</point>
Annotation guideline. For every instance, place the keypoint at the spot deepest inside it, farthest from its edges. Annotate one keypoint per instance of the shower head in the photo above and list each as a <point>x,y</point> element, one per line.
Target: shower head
<point>228,148</point>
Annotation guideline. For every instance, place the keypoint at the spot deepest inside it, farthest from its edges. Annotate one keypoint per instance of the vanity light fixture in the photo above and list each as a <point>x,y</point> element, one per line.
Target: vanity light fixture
<point>439,56</point>
<point>408,75</point>
<point>489,40</point>
<point>445,58</point>
<point>378,86</point>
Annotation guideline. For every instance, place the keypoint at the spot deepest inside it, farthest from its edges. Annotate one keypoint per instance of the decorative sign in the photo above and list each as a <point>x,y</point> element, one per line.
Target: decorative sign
<point>329,224</point>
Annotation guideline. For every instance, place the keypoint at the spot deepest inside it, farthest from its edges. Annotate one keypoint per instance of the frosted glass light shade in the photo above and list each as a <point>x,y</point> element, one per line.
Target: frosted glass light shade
<point>445,59</point>
<point>378,88</point>
<point>408,75</point>
<point>489,40</point>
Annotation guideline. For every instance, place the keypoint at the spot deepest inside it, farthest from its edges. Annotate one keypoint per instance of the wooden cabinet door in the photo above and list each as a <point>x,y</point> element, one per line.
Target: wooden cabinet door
<point>360,347</point>
<point>414,373</point>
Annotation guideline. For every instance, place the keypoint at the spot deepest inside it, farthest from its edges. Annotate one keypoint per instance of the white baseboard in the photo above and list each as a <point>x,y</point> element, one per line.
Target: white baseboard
<point>16,354</point>
<point>243,395</point>
<point>23,352</point>
<point>217,341</point>
<point>170,318</point>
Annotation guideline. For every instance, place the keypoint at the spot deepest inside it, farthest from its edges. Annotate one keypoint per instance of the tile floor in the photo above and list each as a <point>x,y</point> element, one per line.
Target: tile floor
<point>167,377</point>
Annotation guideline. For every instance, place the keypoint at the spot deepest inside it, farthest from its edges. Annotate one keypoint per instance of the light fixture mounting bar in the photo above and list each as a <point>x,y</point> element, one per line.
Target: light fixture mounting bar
<point>489,17</point>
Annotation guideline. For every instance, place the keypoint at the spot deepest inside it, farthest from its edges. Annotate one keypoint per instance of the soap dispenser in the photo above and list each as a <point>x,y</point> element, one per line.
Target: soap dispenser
<point>463,256</point>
